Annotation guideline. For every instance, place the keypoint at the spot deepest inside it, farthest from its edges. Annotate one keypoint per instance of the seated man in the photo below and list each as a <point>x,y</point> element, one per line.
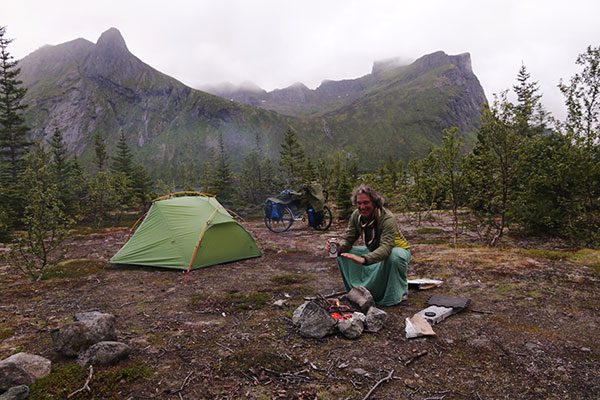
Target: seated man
<point>382,264</point>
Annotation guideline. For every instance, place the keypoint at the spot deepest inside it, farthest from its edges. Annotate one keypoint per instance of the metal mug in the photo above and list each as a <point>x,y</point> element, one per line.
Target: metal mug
<point>333,247</point>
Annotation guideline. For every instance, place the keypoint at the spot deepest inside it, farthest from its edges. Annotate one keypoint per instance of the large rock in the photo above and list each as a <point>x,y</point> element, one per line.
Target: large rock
<point>298,313</point>
<point>375,319</point>
<point>12,374</point>
<point>315,321</point>
<point>352,327</point>
<point>361,296</point>
<point>20,392</point>
<point>104,353</point>
<point>36,366</point>
<point>88,329</point>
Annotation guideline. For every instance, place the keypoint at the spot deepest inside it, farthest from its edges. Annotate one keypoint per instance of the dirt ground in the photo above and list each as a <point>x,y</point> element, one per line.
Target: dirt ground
<point>531,332</point>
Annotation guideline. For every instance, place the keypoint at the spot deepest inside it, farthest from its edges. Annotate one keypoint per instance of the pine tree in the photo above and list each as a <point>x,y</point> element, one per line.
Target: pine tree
<point>101,156</point>
<point>222,181</point>
<point>142,185</point>
<point>13,131</point>
<point>58,149</point>
<point>529,115</point>
<point>292,160</point>
<point>123,161</point>
<point>14,144</point>
<point>343,201</point>
<point>64,174</point>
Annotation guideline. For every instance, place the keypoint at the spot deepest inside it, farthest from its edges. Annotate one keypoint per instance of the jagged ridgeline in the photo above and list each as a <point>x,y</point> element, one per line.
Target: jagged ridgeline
<point>397,110</point>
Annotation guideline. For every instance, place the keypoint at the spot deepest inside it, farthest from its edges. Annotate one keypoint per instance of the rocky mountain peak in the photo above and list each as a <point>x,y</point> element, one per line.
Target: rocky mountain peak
<point>112,40</point>
<point>434,60</point>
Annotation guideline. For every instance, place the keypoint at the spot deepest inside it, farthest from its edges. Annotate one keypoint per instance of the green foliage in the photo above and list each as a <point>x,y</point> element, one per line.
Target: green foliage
<point>14,144</point>
<point>258,179</point>
<point>246,301</point>
<point>217,176</point>
<point>45,222</point>
<point>450,174</point>
<point>292,160</point>
<point>424,193</point>
<point>101,156</point>
<point>492,170</point>
<point>73,269</point>
<point>343,198</point>
<point>104,194</point>
<point>289,279</point>
<point>106,383</point>
<point>582,97</point>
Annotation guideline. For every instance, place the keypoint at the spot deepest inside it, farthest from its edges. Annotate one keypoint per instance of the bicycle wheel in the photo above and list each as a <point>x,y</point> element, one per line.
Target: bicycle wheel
<point>280,224</point>
<point>326,221</point>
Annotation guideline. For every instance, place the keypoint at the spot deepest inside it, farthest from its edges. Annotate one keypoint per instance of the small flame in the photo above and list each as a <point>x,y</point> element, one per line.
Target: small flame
<point>337,302</point>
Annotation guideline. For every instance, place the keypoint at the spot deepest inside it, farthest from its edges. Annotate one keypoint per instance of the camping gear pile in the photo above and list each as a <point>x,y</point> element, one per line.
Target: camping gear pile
<point>282,210</point>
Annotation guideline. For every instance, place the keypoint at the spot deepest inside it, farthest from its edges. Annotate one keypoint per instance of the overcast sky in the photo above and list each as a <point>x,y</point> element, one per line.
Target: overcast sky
<point>275,43</point>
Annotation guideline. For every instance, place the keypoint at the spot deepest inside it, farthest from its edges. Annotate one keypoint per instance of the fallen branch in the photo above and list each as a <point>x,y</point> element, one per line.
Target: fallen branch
<point>223,346</point>
<point>413,358</point>
<point>85,385</point>
<point>480,311</point>
<point>387,378</point>
<point>185,381</point>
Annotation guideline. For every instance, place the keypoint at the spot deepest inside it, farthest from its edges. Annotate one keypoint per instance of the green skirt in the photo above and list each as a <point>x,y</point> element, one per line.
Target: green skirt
<point>386,280</point>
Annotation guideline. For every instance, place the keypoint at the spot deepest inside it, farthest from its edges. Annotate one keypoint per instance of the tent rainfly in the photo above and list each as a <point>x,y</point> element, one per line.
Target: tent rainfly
<point>182,229</point>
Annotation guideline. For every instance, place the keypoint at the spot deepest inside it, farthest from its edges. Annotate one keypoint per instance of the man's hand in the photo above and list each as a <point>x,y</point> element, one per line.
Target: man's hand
<point>357,259</point>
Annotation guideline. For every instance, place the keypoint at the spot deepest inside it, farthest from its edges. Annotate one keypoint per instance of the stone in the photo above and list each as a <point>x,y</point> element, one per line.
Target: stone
<point>12,374</point>
<point>352,327</point>
<point>279,303</point>
<point>298,313</point>
<point>360,296</point>
<point>417,326</point>
<point>104,353</point>
<point>20,392</point>
<point>315,321</point>
<point>36,366</point>
<point>88,329</point>
<point>376,319</point>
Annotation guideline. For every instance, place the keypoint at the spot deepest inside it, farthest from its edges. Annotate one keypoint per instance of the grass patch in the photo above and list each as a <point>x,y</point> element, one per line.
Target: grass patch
<point>554,255</point>
<point>105,383</point>
<point>246,359</point>
<point>290,279</point>
<point>6,332</point>
<point>246,301</point>
<point>505,288</point>
<point>587,257</point>
<point>74,269</point>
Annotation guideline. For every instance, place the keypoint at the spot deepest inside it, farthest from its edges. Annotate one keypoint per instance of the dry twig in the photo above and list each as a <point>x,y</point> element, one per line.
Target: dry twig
<point>85,385</point>
<point>387,378</point>
<point>413,358</point>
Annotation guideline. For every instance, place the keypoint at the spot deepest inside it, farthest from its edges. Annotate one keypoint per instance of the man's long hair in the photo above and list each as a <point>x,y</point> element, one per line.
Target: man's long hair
<point>376,198</point>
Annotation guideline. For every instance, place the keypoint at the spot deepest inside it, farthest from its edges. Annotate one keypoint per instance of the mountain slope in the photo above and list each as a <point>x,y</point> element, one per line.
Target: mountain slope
<point>397,111</point>
<point>84,88</point>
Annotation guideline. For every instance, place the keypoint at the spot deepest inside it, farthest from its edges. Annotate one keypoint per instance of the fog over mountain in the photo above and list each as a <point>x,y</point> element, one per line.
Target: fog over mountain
<point>275,44</point>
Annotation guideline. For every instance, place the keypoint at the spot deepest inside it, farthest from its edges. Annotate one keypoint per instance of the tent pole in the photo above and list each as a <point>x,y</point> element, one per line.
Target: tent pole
<point>202,232</point>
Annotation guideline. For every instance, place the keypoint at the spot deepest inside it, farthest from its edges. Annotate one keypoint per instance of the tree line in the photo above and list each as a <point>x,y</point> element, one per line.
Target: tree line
<point>526,171</point>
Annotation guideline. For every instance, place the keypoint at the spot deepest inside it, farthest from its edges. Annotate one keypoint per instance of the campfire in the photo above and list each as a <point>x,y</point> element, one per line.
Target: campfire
<point>351,314</point>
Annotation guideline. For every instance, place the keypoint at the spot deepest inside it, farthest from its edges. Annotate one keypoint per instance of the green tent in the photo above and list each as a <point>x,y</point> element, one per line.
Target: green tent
<point>186,230</point>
